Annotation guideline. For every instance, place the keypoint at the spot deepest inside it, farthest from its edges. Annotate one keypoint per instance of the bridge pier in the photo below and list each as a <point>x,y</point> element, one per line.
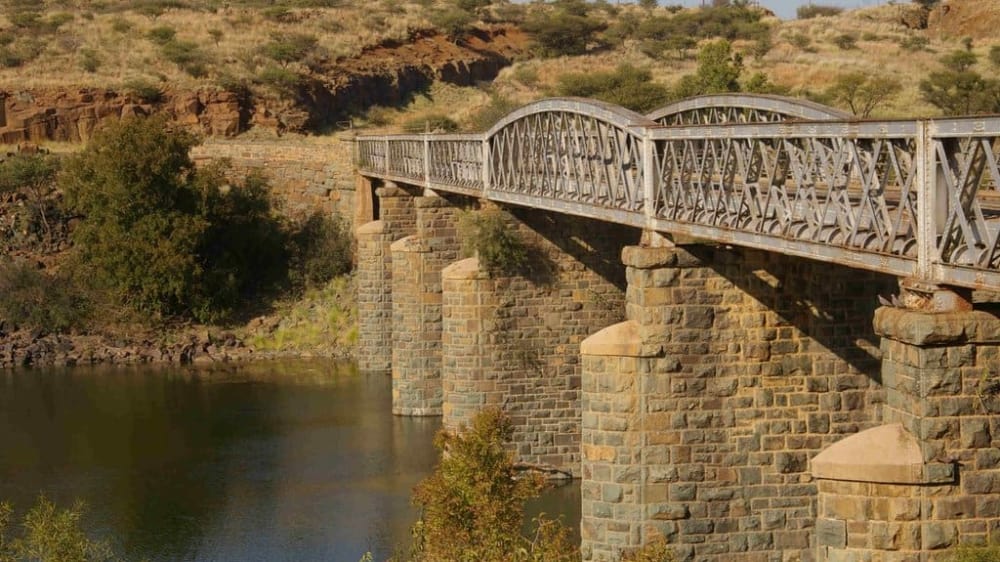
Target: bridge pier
<point>417,262</point>
<point>397,218</point>
<point>930,478</point>
<point>702,411</point>
<point>510,339</point>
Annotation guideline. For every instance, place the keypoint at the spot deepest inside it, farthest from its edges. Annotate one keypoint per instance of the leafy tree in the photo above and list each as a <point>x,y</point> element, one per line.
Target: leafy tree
<point>164,238</point>
<point>34,173</point>
<point>863,93</point>
<point>566,31</point>
<point>288,48</point>
<point>472,506</point>
<point>626,86</point>
<point>718,71</point>
<point>959,90</point>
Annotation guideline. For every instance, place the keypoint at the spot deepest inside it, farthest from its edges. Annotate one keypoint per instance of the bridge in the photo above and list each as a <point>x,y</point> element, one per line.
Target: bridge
<point>755,403</point>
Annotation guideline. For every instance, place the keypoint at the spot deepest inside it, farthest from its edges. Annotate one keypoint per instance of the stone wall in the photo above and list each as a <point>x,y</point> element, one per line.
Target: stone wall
<point>699,423</point>
<point>304,178</point>
<point>930,478</point>
<point>511,341</point>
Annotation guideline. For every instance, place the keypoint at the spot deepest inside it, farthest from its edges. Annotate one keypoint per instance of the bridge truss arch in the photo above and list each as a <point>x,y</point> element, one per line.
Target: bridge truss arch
<point>743,108</point>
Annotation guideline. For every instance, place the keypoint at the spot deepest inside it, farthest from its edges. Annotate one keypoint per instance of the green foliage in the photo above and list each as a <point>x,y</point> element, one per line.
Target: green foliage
<point>453,21</point>
<point>727,22</point>
<point>89,60</point>
<point>959,90</point>
<point>31,298</point>
<point>498,108</point>
<point>430,124</point>
<point>161,34</point>
<point>164,238</point>
<point>863,93</point>
<point>994,55</point>
<point>281,79</point>
<point>490,236</point>
<point>626,86</point>
<point>50,534</point>
<point>810,11</point>
<point>287,48</point>
<point>976,554</point>
<point>760,83</point>
<point>914,43</point>
<point>653,551</point>
<point>473,505</point>
<point>718,71</point>
<point>567,30</point>
<point>34,174</point>
<point>121,25</point>
<point>145,90</point>
<point>846,41</point>
<point>321,250</point>
<point>802,42</point>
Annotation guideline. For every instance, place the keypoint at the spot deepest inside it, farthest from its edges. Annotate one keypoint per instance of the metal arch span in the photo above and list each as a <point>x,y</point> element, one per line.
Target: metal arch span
<point>911,198</point>
<point>744,108</point>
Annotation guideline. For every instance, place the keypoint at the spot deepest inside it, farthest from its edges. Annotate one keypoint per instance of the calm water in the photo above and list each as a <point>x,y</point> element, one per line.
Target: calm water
<point>291,461</point>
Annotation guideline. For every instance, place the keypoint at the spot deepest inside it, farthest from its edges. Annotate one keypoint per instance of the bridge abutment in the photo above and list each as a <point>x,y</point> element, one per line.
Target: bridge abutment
<point>701,413</point>
<point>417,262</point>
<point>397,218</point>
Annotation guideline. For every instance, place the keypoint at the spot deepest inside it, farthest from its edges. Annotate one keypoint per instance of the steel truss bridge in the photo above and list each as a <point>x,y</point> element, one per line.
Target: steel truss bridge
<point>911,198</point>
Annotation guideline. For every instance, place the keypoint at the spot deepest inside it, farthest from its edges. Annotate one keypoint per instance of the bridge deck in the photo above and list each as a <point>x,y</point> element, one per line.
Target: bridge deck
<point>911,198</point>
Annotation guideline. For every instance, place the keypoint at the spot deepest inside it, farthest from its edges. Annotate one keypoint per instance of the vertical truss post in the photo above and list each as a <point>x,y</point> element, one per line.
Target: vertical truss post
<point>386,163</point>
<point>427,160</point>
<point>487,162</point>
<point>927,202</point>
<point>648,178</point>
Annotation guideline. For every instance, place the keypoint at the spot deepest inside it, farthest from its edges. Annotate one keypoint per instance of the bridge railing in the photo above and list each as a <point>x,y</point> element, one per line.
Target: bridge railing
<point>909,197</point>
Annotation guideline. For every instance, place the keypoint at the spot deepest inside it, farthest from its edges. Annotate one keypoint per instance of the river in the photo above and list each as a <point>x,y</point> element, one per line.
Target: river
<point>267,461</point>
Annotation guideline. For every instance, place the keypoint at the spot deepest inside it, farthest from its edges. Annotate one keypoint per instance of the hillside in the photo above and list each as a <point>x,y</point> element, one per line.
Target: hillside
<point>224,68</point>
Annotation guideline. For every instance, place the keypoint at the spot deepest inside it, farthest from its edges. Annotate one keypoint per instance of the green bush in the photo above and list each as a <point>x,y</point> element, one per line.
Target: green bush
<point>959,90</point>
<point>452,21</point>
<point>145,90</point>
<point>718,71</point>
<point>165,238</point>
<point>566,31</point>
<point>281,79</point>
<point>50,534</point>
<point>810,11</point>
<point>626,86</point>
<point>289,48</point>
<point>976,554</point>
<point>33,299</point>
<point>89,60</point>
<point>320,250</point>
<point>914,43</point>
<point>498,108</point>
<point>494,240</point>
<point>472,506</point>
<point>863,93</point>
<point>161,34</point>
<point>846,41</point>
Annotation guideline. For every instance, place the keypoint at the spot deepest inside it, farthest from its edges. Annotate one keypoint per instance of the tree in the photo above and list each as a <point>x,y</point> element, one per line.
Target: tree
<point>289,48</point>
<point>34,173</point>
<point>50,534</point>
<point>959,90</point>
<point>161,236</point>
<point>472,506</point>
<point>626,86</point>
<point>718,71</point>
<point>566,31</point>
<point>863,93</point>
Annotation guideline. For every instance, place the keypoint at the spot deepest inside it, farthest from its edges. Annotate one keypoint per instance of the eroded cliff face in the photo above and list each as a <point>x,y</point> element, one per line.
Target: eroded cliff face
<point>385,74</point>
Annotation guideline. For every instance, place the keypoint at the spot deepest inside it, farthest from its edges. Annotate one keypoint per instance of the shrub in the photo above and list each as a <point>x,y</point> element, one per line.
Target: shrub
<point>959,90</point>
<point>490,235</point>
<point>914,43</point>
<point>564,32</point>
<point>718,72</point>
<point>281,79</point>
<point>292,47</point>
<point>34,174</point>
<point>121,25</point>
<point>89,61</point>
<point>165,238</point>
<point>452,21</point>
<point>472,506</point>
<point>182,53</point>
<point>846,41</point>
<point>626,86</point>
<point>50,533</point>
<point>161,34</point>
<point>143,89</point>
<point>801,41</point>
<point>320,250</point>
<point>498,108</point>
<point>810,11</point>
<point>33,299</point>
<point>653,551</point>
<point>976,554</point>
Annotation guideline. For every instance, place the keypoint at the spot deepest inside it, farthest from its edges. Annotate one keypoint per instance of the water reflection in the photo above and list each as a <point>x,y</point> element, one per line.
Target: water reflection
<point>289,461</point>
